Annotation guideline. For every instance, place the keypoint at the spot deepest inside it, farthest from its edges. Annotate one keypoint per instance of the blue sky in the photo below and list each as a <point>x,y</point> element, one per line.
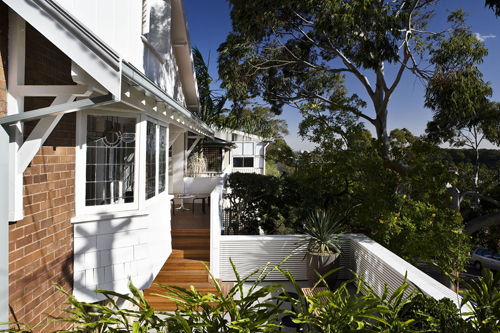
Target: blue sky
<point>209,24</point>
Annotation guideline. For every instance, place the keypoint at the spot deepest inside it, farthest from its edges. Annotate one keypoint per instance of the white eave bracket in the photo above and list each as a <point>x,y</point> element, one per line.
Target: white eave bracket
<point>73,39</point>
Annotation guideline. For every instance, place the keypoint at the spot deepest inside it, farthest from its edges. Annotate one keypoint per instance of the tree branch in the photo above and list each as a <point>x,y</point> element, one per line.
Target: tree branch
<point>482,222</point>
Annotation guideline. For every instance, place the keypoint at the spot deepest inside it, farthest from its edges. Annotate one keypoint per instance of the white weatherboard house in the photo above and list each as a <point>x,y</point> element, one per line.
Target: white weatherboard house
<point>249,154</point>
<point>98,97</point>
<point>97,94</point>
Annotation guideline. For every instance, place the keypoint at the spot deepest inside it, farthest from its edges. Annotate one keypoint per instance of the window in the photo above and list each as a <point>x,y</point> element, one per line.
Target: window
<point>145,17</point>
<point>150,160</point>
<point>110,162</point>
<point>162,150</point>
<point>243,162</point>
<point>242,150</point>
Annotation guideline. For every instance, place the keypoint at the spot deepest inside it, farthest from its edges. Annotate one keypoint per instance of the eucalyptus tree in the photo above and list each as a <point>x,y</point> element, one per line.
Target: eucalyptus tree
<point>252,119</point>
<point>462,113</point>
<point>494,5</point>
<point>299,52</point>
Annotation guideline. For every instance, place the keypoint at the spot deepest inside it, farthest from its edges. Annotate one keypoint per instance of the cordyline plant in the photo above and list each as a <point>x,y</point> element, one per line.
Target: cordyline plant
<point>255,309</point>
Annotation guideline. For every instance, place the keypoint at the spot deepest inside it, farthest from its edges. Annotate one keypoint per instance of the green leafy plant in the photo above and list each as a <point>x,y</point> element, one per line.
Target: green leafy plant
<point>444,313</point>
<point>324,231</point>
<point>239,311</point>
<point>483,300</point>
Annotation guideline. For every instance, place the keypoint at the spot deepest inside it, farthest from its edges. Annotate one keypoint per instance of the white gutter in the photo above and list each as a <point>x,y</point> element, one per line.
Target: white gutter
<point>134,77</point>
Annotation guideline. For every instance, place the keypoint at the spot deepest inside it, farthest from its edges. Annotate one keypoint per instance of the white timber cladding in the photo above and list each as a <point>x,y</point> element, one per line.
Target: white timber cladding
<point>109,249</point>
<point>117,22</point>
<point>248,253</point>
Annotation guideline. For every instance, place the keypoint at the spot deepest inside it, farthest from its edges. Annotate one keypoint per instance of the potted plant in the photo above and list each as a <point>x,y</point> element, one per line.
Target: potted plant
<point>323,229</point>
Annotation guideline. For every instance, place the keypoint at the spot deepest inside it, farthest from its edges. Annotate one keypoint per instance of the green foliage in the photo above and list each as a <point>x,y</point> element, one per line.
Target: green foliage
<point>443,315</point>
<point>251,307</point>
<point>255,201</point>
<point>324,230</point>
<point>493,5</point>
<point>241,310</point>
<point>483,300</point>
<point>254,119</point>
<point>298,52</point>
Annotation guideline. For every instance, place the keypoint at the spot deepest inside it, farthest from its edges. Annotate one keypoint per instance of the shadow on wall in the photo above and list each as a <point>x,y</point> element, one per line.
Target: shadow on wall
<point>164,75</point>
<point>105,257</point>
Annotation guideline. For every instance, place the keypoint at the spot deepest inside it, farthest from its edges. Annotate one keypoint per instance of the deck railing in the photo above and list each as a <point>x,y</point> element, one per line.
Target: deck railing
<point>362,255</point>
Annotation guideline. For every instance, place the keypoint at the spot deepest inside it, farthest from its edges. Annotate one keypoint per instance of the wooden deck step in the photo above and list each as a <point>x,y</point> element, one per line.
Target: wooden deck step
<point>182,264</point>
<point>190,243</point>
<point>197,254</point>
<point>190,232</point>
<point>178,276</point>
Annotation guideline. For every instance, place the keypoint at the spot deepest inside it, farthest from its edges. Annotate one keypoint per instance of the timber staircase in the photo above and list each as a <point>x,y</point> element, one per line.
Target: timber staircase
<point>184,268</point>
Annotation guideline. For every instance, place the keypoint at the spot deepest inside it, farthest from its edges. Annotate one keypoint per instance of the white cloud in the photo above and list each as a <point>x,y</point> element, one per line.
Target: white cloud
<point>483,38</point>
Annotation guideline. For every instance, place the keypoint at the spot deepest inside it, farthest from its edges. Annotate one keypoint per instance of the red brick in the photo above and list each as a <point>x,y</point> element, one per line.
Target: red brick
<point>40,178</point>
<point>47,151</point>
<point>40,216</point>
<point>61,183</point>
<point>21,242</point>
<point>38,160</point>
<point>54,176</point>
<point>47,168</point>
<point>30,229</point>
<point>66,159</point>
<point>16,234</point>
<point>60,167</point>
<point>61,151</point>
<point>40,197</point>
<point>45,187</point>
<point>16,254</point>
<point>67,175</point>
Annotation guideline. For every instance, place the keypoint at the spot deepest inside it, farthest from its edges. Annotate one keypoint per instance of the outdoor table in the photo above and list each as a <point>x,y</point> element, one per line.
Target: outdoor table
<point>182,196</point>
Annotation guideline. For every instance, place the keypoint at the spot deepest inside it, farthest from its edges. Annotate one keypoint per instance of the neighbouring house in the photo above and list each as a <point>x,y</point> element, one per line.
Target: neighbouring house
<point>229,151</point>
<point>96,100</point>
<point>249,156</point>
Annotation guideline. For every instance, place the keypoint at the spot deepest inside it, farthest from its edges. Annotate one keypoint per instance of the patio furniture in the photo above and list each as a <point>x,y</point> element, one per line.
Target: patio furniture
<point>202,198</point>
<point>287,321</point>
<point>309,293</point>
<point>182,197</point>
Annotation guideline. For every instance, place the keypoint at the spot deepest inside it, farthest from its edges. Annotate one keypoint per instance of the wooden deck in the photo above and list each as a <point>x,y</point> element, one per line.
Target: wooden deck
<point>183,219</point>
<point>190,251</point>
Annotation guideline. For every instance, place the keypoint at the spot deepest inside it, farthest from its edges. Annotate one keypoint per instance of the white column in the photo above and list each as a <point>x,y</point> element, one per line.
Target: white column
<point>178,164</point>
<point>4,228</point>
<point>15,105</point>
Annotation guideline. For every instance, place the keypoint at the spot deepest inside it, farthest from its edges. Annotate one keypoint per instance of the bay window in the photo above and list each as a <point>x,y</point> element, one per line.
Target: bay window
<point>110,160</point>
<point>111,175</point>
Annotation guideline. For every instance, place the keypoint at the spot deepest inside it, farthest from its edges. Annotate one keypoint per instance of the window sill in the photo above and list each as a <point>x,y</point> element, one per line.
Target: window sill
<point>108,216</point>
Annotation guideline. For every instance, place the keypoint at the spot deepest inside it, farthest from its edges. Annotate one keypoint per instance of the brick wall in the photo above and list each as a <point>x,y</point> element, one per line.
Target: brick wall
<point>4,33</point>
<point>41,248</point>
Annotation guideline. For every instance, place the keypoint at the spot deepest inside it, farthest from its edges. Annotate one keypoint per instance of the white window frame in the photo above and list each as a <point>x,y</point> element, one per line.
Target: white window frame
<point>81,165</point>
<point>142,165</point>
<point>243,155</point>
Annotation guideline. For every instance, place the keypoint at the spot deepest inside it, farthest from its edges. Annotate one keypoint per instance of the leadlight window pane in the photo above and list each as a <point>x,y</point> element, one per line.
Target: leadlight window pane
<point>150,160</point>
<point>110,160</point>
<point>162,177</point>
